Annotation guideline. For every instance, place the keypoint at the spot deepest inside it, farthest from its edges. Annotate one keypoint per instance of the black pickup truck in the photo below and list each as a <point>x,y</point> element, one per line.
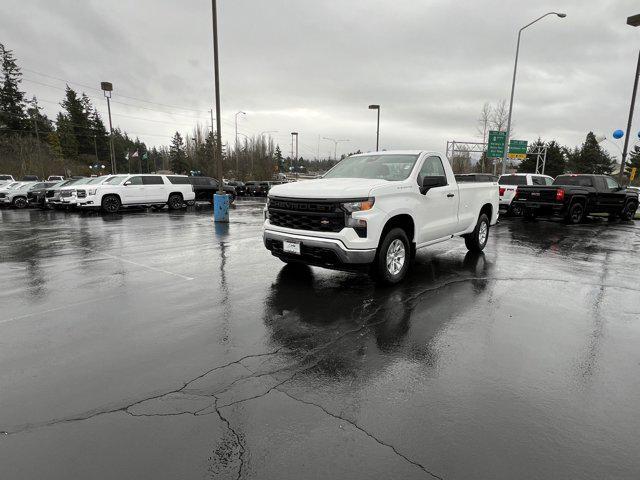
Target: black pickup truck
<point>205,187</point>
<point>575,196</point>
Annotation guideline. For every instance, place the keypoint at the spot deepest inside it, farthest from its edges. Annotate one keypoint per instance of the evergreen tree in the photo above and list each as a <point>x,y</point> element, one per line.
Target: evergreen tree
<point>38,121</point>
<point>634,162</point>
<point>555,162</point>
<point>528,165</point>
<point>278,158</point>
<point>13,118</point>
<point>66,137</point>
<point>177,154</point>
<point>78,111</point>
<point>590,158</point>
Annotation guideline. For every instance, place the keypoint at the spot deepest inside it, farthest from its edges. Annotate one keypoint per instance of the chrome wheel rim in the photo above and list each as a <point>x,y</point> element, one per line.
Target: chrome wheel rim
<point>483,233</point>
<point>396,255</point>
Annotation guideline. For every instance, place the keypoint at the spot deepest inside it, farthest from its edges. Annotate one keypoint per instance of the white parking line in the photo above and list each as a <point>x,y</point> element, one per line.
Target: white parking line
<point>144,266</point>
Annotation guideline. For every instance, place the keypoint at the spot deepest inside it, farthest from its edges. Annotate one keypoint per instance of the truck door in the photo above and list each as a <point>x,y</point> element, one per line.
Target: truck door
<point>132,190</point>
<point>438,210</point>
<point>153,189</point>
<point>610,197</point>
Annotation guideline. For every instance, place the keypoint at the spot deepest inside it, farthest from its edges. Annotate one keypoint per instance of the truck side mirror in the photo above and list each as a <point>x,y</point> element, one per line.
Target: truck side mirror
<point>127,183</point>
<point>432,181</point>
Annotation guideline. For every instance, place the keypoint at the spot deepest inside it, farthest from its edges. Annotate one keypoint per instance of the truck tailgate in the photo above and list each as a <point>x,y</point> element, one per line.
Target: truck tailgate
<point>536,193</point>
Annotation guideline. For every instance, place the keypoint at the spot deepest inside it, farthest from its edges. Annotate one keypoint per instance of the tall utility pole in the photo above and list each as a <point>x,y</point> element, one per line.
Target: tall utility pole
<point>377,107</point>
<point>513,86</point>
<point>95,147</point>
<point>107,88</point>
<point>218,143</point>
<point>236,147</point>
<point>634,21</point>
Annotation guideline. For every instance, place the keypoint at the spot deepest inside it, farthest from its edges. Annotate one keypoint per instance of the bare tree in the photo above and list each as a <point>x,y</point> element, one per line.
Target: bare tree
<point>484,123</point>
<point>500,116</point>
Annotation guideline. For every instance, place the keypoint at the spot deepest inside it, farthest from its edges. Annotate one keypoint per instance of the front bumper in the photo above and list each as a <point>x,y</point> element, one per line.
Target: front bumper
<point>5,201</point>
<point>322,252</point>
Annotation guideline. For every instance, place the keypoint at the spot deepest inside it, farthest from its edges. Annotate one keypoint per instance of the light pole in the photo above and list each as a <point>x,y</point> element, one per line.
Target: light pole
<point>634,21</point>
<point>335,143</point>
<point>236,149</point>
<point>107,88</point>
<point>377,107</point>
<point>294,135</point>
<point>220,200</point>
<point>513,86</point>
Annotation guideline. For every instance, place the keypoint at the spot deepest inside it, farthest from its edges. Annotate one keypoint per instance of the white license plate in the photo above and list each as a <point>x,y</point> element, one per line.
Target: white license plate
<point>291,247</point>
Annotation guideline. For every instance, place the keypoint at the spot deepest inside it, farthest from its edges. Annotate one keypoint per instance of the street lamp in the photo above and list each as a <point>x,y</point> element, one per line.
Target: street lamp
<point>335,142</point>
<point>513,86</point>
<point>634,21</point>
<point>220,200</point>
<point>377,107</point>
<point>107,88</point>
<point>294,134</point>
<point>236,149</point>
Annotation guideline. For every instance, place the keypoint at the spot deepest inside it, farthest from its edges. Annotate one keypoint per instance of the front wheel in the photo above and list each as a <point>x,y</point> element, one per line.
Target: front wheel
<point>629,211</point>
<point>111,204</point>
<point>392,260</point>
<point>20,202</point>
<point>476,240</point>
<point>175,201</point>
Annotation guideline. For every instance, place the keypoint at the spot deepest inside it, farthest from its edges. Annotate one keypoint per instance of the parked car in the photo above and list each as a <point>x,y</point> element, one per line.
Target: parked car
<point>205,187</point>
<point>575,196</point>
<point>30,178</point>
<point>9,185</point>
<point>137,190</point>
<point>476,177</point>
<point>4,179</point>
<point>241,190</point>
<point>17,196</point>
<point>55,178</point>
<point>373,211</point>
<point>68,194</point>
<point>509,184</point>
<point>36,194</point>
<point>52,196</point>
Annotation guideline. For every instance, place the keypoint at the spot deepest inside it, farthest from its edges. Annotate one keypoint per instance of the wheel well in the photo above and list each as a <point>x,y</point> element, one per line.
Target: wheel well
<point>404,222</point>
<point>581,200</point>
<point>487,209</point>
<point>112,195</point>
<point>176,193</point>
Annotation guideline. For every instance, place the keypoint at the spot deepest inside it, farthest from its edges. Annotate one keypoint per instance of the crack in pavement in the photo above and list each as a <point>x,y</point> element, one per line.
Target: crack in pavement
<point>368,434</point>
<point>239,442</point>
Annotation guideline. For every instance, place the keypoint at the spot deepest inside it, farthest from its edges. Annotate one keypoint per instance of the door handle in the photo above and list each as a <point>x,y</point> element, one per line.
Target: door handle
<point>450,195</point>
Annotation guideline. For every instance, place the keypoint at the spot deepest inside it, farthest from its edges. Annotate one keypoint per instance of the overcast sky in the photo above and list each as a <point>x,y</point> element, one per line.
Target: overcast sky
<point>314,66</point>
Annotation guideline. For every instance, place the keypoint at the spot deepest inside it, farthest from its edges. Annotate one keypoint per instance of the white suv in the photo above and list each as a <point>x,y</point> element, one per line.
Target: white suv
<point>508,184</point>
<point>16,196</point>
<point>137,190</point>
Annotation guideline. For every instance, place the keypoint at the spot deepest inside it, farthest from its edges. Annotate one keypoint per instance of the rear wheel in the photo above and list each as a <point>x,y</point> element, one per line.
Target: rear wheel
<point>393,258</point>
<point>175,201</point>
<point>476,240</point>
<point>629,211</point>
<point>20,202</point>
<point>515,210</point>
<point>575,214</point>
<point>111,204</point>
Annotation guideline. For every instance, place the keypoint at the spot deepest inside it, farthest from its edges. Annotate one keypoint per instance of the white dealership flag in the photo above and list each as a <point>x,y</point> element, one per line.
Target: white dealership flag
<point>135,154</point>
<point>126,156</point>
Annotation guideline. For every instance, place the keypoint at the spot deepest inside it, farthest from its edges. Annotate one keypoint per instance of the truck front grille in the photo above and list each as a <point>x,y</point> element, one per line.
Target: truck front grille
<point>312,215</point>
<point>50,193</point>
<point>66,193</point>
<point>81,193</point>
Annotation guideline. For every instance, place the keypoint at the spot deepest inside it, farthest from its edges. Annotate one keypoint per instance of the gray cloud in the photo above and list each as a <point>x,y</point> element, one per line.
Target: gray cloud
<point>314,66</point>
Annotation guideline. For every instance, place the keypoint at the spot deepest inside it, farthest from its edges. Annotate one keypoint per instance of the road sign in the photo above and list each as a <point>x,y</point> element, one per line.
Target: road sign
<point>495,149</point>
<point>634,170</point>
<point>518,149</point>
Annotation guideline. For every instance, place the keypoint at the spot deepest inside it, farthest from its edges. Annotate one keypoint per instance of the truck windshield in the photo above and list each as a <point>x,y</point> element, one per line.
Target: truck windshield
<point>573,180</point>
<point>513,180</point>
<point>385,167</point>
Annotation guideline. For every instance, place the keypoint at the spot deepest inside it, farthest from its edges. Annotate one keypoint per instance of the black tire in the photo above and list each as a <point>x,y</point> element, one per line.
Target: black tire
<point>629,211</point>
<point>111,204</point>
<point>477,240</point>
<point>20,202</point>
<point>393,258</point>
<point>575,214</point>
<point>175,201</point>
<point>515,211</point>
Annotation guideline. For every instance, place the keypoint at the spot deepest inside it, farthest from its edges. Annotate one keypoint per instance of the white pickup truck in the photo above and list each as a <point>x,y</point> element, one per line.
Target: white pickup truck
<point>373,211</point>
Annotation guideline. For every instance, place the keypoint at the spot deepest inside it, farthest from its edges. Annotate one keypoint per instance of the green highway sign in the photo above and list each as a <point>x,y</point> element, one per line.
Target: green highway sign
<point>518,149</point>
<point>495,149</point>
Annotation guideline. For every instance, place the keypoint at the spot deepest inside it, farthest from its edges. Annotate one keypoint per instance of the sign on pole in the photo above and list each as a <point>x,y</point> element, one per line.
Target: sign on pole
<point>495,149</point>
<point>518,149</point>
<point>634,170</point>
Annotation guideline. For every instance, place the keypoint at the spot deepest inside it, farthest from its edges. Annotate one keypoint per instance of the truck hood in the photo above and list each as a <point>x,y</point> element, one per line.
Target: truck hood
<point>327,188</point>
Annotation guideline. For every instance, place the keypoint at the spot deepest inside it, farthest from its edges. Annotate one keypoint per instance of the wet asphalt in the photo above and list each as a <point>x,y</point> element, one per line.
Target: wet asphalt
<point>160,345</point>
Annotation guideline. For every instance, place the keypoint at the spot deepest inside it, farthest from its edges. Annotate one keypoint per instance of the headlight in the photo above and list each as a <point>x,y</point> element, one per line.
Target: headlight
<point>92,191</point>
<point>359,205</point>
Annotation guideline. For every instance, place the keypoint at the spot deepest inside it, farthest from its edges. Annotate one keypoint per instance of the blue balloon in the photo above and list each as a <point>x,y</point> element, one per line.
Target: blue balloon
<point>638,134</point>
<point>618,134</point>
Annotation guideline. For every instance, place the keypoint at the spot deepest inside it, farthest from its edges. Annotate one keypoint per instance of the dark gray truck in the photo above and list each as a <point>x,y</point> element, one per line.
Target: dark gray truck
<point>573,197</point>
